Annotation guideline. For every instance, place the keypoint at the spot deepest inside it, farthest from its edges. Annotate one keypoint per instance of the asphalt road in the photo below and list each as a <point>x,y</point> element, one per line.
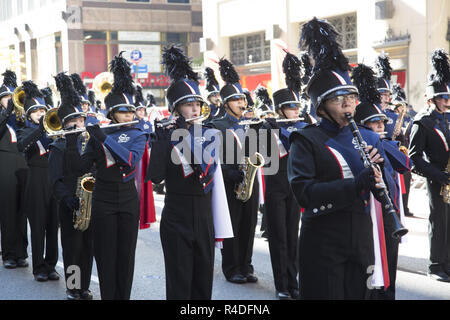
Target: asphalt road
<point>149,279</point>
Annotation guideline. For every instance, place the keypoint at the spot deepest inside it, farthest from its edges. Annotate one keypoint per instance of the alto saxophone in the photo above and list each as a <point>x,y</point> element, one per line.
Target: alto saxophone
<point>445,189</point>
<point>244,189</point>
<point>399,122</point>
<point>85,186</point>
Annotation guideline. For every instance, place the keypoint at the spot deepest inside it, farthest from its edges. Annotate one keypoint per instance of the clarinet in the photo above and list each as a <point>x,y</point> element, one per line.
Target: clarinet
<point>386,201</point>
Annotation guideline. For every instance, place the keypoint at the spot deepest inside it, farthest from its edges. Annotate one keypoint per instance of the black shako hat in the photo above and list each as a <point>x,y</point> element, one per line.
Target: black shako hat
<point>9,83</point>
<point>289,97</point>
<point>184,86</point>
<point>384,70</point>
<point>330,76</point>
<point>232,88</point>
<point>438,80</point>
<point>70,100</point>
<point>369,107</point>
<point>34,99</point>
<point>121,96</point>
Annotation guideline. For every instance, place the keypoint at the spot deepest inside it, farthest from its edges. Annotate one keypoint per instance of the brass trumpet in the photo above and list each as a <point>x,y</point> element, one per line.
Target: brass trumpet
<point>18,99</point>
<point>52,123</point>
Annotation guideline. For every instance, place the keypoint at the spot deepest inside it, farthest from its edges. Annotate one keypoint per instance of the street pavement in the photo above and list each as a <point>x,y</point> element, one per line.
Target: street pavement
<point>149,279</point>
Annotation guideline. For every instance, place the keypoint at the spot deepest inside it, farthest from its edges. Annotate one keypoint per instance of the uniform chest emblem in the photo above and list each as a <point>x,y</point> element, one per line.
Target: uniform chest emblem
<point>146,126</point>
<point>199,140</point>
<point>123,138</point>
<point>291,129</point>
<point>390,121</point>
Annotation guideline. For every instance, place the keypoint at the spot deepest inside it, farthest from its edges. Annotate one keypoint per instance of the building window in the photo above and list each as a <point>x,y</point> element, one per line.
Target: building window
<point>138,0</point>
<point>178,1</point>
<point>347,27</point>
<point>250,48</point>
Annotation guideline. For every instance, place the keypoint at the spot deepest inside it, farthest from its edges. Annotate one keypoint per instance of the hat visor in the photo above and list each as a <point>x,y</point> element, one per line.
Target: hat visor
<point>73,116</point>
<point>291,105</point>
<point>443,96</point>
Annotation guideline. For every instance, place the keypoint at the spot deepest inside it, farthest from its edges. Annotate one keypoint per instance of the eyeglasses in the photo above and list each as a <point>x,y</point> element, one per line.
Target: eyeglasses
<point>340,99</point>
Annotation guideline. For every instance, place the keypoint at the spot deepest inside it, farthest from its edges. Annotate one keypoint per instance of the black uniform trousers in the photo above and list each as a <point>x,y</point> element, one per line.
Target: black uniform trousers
<point>335,255</point>
<point>407,179</point>
<point>237,251</point>
<point>438,228</point>
<point>115,223</point>
<point>77,250</point>
<point>41,210</point>
<point>13,222</point>
<point>283,215</point>
<point>187,237</point>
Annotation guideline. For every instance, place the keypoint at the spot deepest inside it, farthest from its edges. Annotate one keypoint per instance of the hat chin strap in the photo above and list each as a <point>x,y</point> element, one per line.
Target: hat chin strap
<point>233,113</point>
<point>329,116</point>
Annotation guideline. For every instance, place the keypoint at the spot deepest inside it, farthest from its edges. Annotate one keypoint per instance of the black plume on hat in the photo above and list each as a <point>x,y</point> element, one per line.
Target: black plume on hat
<point>177,65</point>
<point>383,66</point>
<point>291,69</point>
<point>9,79</point>
<point>441,67</point>
<point>91,97</point>
<point>211,81</point>
<point>48,95</point>
<point>365,80</point>
<point>139,98</point>
<point>31,90</point>
<point>306,66</point>
<point>123,81</point>
<point>263,95</point>
<point>78,84</point>
<point>249,98</point>
<point>228,72</point>
<point>320,38</point>
<point>398,94</point>
<point>69,97</point>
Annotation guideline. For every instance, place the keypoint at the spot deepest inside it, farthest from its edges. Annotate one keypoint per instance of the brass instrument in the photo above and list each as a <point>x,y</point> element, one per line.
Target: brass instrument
<point>18,99</point>
<point>63,132</point>
<point>51,121</point>
<point>103,84</point>
<point>445,189</point>
<point>244,189</point>
<point>399,122</point>
<point>85,186</point>
<point>204,114</point>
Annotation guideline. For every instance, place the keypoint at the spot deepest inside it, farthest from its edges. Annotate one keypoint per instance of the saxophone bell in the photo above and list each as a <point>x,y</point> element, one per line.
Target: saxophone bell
<point>244,189</point>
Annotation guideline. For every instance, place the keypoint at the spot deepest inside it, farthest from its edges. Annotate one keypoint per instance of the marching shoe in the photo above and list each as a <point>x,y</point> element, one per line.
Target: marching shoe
<point>251,278</point>
<point>295,294</point>
<point>86,295</point>
<point>72,295</point>
<point>53,275</point>
<point>237,278</point>
<point>439,276</point>
<point>22,263</point>
<point>41,277</point>
<point>282,295</point>
<point>9,264</point>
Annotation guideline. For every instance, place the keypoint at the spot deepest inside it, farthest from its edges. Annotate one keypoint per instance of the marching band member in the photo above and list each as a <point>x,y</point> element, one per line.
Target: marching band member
<point>430,137</point>
<point>384,70</point>
<point>115,204</point>
<point>213,97</point>
<point>13,171</point>
<point>195,193</point>
<point>237,252</point>
<point>329,180</point>
<point>40,206</point>
<point>399,97</point>
<point>87,99</point>
<point>369,113</point>
<point>77,246</point>
<point>281,209</point>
